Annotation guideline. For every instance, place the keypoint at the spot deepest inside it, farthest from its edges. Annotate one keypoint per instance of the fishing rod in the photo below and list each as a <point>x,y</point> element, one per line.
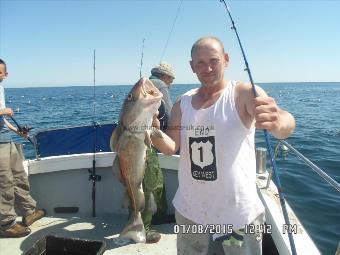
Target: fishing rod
<point>93,176</point>
<point>275,174</point>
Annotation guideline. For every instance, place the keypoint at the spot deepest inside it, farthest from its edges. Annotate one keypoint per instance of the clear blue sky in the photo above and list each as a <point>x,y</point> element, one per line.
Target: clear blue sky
<point>50,43</point>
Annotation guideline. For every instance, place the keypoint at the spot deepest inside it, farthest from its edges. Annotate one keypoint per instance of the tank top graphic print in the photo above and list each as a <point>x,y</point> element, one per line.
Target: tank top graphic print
<point>203,156</point>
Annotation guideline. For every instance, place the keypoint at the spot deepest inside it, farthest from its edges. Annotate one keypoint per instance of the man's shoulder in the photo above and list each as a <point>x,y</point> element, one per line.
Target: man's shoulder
<point>190,92</point>
<point>242,86</point>
<point>245,85</point>
<point>244,90</point>
<point>185,96</point>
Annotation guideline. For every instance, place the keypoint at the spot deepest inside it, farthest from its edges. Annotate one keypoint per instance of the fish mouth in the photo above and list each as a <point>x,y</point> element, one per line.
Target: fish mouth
<point>148,91</point>
<point>141,107</point>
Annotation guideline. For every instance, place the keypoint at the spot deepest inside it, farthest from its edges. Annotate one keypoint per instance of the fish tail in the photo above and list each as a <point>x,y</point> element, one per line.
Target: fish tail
<point>135,229</point>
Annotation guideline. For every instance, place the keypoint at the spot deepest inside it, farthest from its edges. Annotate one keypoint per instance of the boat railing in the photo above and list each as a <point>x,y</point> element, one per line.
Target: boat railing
<point>285,146</point>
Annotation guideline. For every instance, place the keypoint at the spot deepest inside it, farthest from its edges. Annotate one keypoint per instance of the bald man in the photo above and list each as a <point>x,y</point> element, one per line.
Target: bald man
<point>214,127</point>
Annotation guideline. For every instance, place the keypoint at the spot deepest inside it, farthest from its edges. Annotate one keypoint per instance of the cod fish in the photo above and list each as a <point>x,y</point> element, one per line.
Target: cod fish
<point>130,140</point>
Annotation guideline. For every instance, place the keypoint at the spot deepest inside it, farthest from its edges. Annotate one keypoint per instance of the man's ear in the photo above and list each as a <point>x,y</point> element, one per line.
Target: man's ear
<point>226,58</point>
<point>192,66</point>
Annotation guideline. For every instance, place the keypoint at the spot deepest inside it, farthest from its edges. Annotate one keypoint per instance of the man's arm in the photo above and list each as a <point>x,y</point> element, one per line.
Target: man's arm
<point>8,112</point>
<point>10,126</point>
<point>169,143</point>
<point>268,115</point>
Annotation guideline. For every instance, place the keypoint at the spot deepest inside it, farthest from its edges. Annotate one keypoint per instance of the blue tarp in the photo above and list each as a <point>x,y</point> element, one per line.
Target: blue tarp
<point>74,140</point>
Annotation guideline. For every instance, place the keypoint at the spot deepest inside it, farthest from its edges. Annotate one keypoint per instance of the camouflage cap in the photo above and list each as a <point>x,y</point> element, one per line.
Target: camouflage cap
<point>163,68</point>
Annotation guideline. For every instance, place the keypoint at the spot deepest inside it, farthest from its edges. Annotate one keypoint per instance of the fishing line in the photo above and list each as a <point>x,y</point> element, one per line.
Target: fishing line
<point>275,174</point>
<point>141,60</point>
<point>171,30</point>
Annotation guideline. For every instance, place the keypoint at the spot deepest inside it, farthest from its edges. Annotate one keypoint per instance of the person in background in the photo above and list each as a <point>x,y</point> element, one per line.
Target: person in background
<point>214,127</point>
<point>14,186</point>
<point>162,76</point>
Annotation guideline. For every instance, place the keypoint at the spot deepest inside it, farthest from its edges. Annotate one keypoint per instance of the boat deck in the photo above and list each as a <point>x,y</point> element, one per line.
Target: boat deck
<point>104,227</point>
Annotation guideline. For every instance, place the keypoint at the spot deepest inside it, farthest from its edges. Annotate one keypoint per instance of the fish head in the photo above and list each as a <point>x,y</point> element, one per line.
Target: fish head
<point>140,105</point>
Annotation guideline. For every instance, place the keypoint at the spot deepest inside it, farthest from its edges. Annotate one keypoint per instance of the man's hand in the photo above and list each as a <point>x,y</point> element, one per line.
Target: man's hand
<point>267,114</point>
<point>270,117</point>
<point>7,111</point>
<point>23,134</point>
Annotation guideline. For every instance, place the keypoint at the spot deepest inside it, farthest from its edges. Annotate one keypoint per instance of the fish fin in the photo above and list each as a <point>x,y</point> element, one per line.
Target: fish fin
<point>116,169</point>
<point>152,206</point>
<point>140,197</point>
<point>115,137</point>
<point>123,169</point>
<point>113,140</point>
<point>123,163</point>
<point>125,200</point>
<point>135,193</point>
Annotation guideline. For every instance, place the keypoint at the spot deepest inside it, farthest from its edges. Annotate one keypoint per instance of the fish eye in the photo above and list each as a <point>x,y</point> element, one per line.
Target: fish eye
<point>129,97</point>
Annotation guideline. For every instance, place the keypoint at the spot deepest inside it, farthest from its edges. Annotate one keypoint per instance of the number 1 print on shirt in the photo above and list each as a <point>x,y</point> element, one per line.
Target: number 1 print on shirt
<point>203,158</point>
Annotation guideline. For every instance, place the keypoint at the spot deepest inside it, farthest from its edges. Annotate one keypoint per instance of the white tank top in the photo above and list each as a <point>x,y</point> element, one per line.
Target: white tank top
<point>217,168</point>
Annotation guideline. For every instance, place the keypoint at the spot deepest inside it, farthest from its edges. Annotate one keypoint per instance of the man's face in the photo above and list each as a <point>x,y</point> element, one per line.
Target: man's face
<point>3,72</point>
<point>168,80</point>
<point>208,62</point>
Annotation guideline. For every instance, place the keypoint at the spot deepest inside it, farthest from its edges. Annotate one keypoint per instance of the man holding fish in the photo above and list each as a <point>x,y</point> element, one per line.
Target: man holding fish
<point>214,127</point>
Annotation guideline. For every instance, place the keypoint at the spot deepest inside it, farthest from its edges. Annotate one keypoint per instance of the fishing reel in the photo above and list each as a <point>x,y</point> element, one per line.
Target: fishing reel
<point>24,129</point>
<point>21,129</point>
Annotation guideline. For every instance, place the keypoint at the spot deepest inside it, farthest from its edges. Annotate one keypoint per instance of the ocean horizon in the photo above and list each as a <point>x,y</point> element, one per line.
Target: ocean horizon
<point>174,84</point>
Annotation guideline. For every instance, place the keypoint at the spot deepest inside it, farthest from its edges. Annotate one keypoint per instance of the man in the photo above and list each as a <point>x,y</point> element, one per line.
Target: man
<point>162,76</point>
<point>14,186</point>
<point>214,126</point>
